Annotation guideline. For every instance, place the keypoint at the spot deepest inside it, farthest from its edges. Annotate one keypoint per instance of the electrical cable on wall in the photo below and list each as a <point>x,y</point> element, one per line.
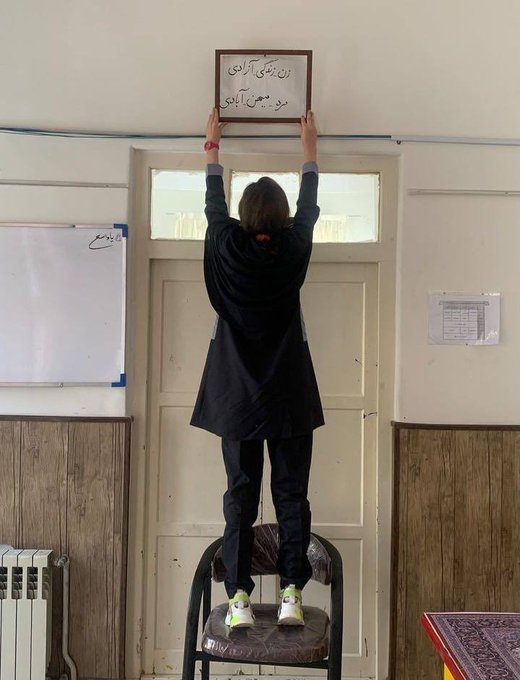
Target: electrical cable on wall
<point>398,139</point>
<point>79,134</point>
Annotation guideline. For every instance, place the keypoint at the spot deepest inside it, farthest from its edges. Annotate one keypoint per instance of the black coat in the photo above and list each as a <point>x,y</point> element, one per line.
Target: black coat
<point>258,380</point>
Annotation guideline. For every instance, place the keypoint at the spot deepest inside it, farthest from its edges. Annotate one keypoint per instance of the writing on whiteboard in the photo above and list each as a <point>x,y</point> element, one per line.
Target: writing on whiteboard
<point>100,241</point>
<point>268,68</point>
<point>263,86</point>
<point>251,100</point>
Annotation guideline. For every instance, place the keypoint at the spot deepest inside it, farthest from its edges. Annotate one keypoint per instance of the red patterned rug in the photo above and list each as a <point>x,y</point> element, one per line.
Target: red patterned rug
<point>477,645</point>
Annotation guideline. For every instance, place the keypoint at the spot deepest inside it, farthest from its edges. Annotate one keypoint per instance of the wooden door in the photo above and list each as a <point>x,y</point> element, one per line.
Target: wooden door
<point>186,477</point>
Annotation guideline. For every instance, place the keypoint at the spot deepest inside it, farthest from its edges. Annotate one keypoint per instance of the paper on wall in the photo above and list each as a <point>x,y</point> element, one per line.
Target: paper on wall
<point>462,319</point>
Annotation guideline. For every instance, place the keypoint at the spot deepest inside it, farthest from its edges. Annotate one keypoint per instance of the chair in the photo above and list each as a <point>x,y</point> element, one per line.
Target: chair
<point>316,645</point>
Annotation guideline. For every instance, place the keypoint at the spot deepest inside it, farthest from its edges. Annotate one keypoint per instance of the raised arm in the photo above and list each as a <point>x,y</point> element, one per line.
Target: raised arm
<point>216,208</point>
<point>309,136</point>
<point>213,135</point>
<point>307,210</point>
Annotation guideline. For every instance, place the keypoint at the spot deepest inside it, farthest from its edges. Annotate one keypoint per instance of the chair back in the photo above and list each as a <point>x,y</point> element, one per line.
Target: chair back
<point>265,554</point>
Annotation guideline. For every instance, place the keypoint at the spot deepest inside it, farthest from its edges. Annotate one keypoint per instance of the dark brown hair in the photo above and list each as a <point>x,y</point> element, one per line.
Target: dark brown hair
<point>263,207</point>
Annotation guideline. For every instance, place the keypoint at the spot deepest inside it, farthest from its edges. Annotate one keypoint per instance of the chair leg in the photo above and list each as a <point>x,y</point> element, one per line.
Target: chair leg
<point>190,644</point>
<point>206,600</point>
<point>198,587</point>
<point>206,609</point>
<point>335,644</point>
<point>334,670</point>
<point>188,665</point>
<point>336,613</point>
<point>334,667</point>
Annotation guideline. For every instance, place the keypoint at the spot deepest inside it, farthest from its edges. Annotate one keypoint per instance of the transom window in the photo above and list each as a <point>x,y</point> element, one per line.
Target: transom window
<point>349,203</point>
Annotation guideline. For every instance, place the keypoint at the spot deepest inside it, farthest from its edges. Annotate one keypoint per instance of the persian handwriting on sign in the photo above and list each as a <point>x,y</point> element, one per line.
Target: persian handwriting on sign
<point>100,241</point>
<point>268,69</point>
<point>251,101</point>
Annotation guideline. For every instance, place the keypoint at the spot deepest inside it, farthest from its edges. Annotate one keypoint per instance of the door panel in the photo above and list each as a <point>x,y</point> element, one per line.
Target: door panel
<point>186,318</point>
<point>340,307</point>
<point>335,486</point>
<point>192,458</point>
<point>186,477</point>
<point>186,473</point>
<point>333,312</point>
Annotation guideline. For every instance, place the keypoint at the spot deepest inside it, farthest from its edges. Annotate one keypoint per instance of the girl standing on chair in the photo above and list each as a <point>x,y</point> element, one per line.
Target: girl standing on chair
<point>258,381</point>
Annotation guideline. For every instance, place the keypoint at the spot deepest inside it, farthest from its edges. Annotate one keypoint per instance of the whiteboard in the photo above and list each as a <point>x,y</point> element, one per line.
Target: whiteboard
<point>62,312</point>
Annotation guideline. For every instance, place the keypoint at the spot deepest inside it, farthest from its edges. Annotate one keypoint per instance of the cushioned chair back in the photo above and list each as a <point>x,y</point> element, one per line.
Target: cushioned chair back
<point>265,553</point>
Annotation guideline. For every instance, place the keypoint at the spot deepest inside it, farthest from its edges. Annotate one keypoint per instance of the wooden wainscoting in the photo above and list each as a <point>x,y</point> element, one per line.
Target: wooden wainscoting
<point>64,485</point>
<point>456,536</point>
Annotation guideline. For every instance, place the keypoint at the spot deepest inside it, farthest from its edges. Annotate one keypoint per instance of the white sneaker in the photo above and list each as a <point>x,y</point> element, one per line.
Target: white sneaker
<point>240,613</point>
<point>290,610</point>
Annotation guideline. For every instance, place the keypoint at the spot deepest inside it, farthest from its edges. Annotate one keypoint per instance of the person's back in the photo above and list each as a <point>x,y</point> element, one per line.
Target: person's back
<point>258,381</point>
<point>254,273</point>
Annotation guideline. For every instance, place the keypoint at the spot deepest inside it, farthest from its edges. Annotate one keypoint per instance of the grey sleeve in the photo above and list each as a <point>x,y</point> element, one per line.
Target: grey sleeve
<point>310,166</point>
<point>214,169</point>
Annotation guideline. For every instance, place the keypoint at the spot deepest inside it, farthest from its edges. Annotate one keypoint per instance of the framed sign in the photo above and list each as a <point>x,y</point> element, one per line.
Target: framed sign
<point>263,86</point>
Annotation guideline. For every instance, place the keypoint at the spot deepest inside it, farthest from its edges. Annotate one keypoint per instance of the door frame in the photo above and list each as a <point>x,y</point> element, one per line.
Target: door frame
<point>141,251</point>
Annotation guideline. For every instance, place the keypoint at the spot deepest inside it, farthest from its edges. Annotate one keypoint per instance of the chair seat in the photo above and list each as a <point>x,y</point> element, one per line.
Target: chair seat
<point>267,642</point>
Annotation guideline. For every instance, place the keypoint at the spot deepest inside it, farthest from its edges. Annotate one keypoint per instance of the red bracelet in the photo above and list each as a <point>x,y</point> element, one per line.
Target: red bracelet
<point>210,145</point>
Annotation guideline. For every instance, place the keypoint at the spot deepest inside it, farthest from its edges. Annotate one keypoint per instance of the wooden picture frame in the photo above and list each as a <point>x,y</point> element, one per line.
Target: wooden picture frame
<point>253,86</point>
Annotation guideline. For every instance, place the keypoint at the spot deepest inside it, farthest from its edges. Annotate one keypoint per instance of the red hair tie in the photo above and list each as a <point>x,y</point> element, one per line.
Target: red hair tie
<point>263,237</point>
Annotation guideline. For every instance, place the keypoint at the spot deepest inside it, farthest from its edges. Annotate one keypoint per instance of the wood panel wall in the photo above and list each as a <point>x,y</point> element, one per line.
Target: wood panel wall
<point>456,532</point>
<point>64,486</point>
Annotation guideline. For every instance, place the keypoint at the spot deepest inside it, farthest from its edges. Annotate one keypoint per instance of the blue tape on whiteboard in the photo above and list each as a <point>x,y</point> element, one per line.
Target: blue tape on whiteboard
<point>124,229</point>
<point>122,381</point>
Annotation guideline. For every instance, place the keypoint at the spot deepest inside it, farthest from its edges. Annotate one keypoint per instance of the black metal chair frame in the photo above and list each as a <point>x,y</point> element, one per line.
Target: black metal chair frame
<point>201,591</point>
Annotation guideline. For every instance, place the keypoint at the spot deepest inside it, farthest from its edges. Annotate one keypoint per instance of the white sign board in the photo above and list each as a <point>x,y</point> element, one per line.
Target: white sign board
<point>262,87</point>
<point>461,319</point>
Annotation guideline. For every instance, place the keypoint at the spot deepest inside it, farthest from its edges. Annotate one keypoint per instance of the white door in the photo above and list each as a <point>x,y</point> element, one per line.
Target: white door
<point>186,473</point>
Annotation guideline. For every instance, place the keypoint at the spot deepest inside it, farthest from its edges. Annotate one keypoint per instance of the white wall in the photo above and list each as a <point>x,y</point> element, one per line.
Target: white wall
<point>459,243</point>
<point>400,67</point>
<point>406,66</point>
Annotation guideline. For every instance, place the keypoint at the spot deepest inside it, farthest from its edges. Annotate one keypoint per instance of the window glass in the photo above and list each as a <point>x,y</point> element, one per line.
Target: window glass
<point>349,203</point>
<point>349,208</point>
<point>177,209</point>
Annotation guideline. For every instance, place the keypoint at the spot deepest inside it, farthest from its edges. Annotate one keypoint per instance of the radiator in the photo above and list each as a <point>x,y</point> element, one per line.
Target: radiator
<point>25,613</point>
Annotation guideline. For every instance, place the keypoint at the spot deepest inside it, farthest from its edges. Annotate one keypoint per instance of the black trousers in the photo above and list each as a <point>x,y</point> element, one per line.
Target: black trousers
<point>290,468</point>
